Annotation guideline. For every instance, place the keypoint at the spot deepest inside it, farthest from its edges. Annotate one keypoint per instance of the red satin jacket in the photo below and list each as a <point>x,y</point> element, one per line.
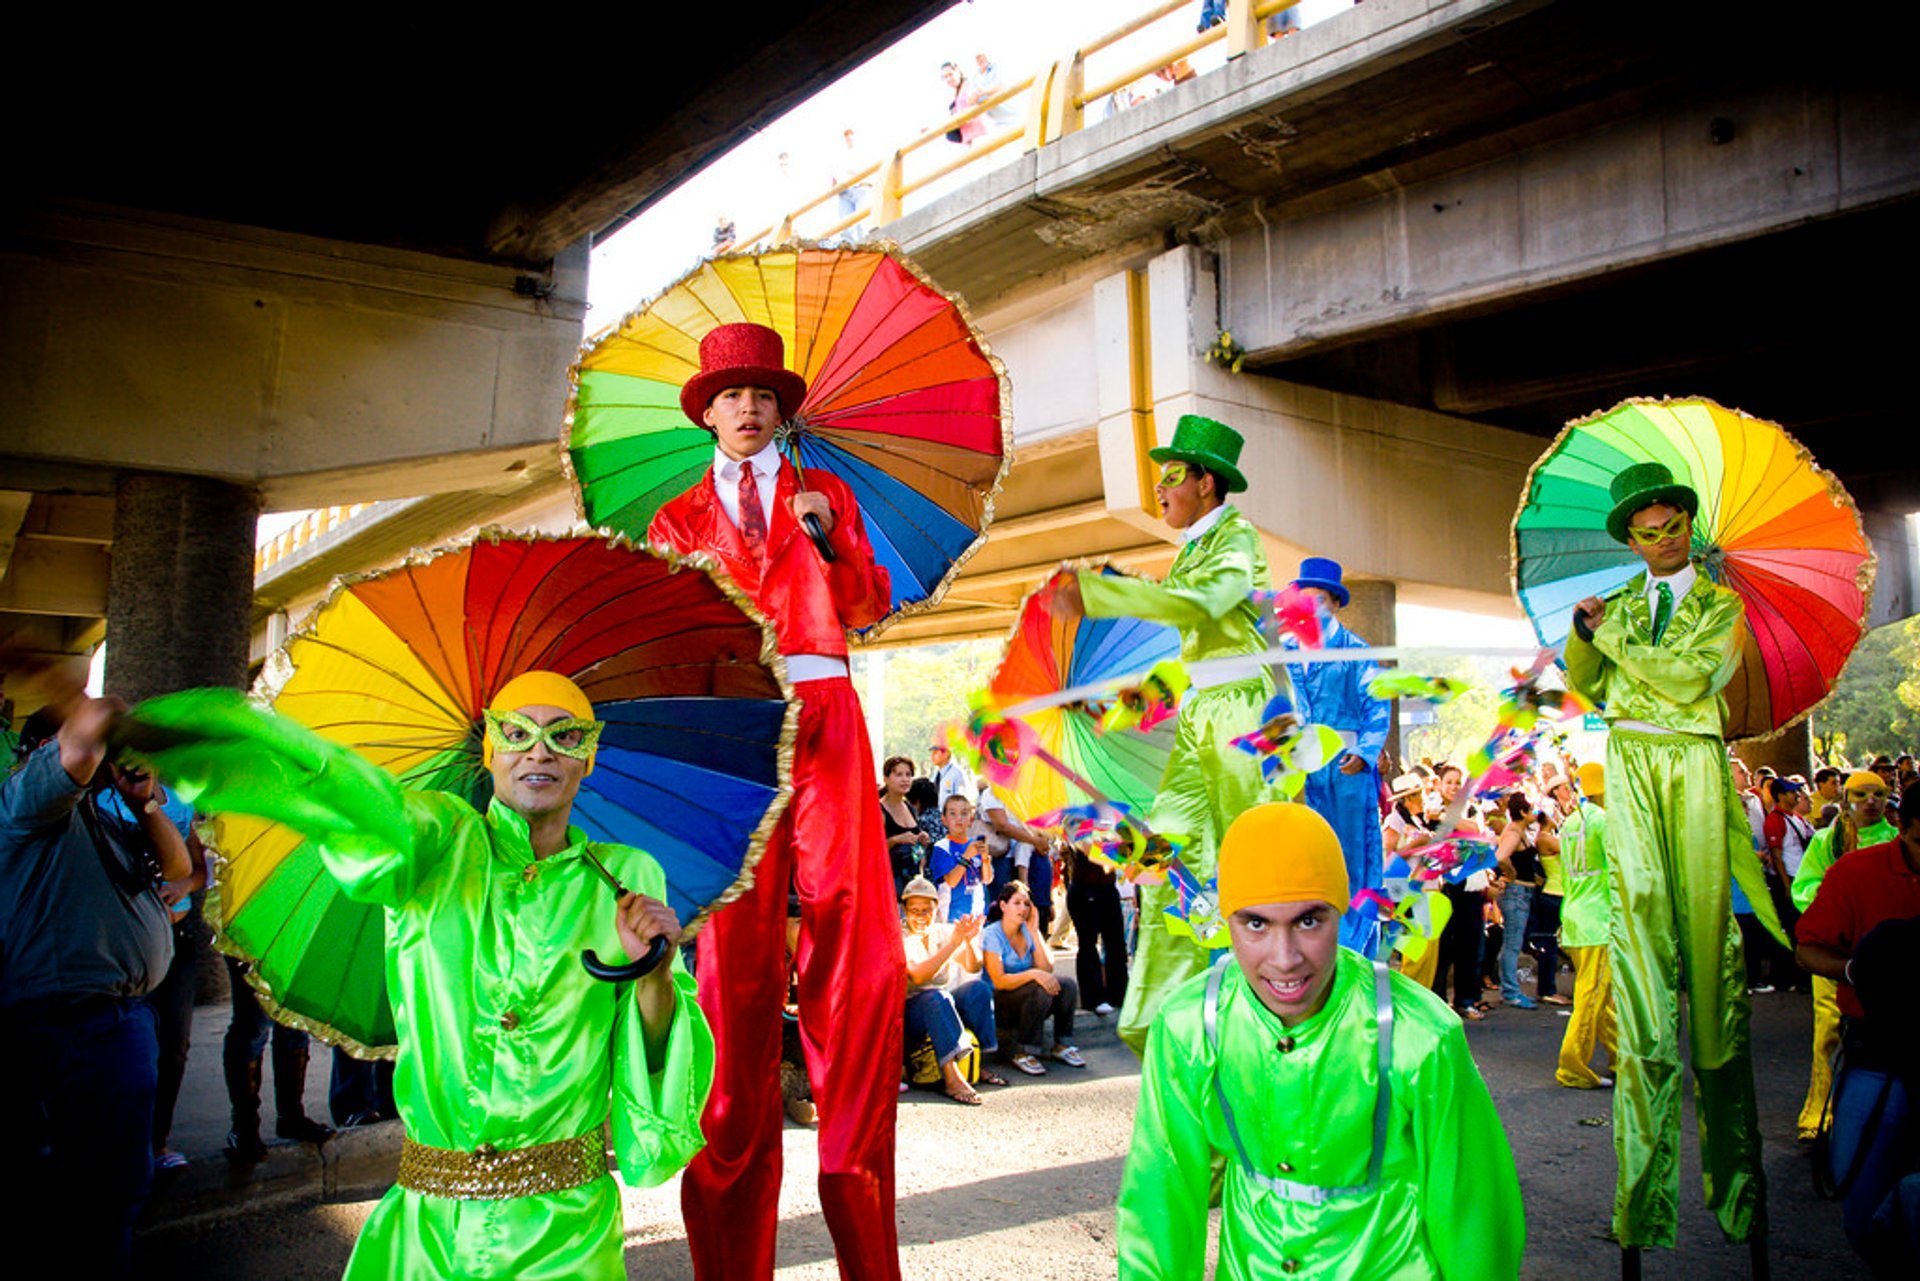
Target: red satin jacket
<point>810,602</point>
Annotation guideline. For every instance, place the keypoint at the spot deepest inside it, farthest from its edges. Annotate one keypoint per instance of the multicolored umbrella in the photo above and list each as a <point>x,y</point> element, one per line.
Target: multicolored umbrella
<point>1772,526</point>
<point>1044,655</point>
<point>903,402</point>
<point>399,665</point>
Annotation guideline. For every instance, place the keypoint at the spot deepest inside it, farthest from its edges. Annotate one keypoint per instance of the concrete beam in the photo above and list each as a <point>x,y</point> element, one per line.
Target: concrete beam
<point>1702,173</point>
<point>263,358</point>
<point>48,577</point>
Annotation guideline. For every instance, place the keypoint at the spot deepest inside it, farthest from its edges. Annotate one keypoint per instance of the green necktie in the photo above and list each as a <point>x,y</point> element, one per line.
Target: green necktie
<point>1662,612</point>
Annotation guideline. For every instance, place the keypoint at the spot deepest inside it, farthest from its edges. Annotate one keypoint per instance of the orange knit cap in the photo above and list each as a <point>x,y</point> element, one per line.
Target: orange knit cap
<point>1281,853</point>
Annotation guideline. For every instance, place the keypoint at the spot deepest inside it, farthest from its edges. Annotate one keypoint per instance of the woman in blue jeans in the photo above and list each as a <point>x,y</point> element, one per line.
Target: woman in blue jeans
<point>1520,864</point>
<point>936,1010</point>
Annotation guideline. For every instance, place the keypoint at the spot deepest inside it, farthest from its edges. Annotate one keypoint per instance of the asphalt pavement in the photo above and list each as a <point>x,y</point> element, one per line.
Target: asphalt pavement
<point>1020,1187</point>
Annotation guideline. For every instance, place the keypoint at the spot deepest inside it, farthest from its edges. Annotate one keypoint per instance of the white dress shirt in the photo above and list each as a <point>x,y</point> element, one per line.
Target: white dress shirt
<point>766,476</point>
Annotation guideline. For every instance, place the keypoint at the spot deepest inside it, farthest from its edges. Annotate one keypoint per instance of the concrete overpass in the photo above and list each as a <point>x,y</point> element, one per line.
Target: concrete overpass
<point>291,263</point>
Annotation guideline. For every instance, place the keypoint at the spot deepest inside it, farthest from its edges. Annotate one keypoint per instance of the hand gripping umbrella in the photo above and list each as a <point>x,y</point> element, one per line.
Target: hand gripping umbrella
<point>692,765</point>
<point>904,402</point>
<point>1772,526</point>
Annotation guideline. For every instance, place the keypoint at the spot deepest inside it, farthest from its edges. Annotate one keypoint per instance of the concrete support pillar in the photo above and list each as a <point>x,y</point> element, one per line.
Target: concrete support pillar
<point>1789,753</point>
<point>180,589</point>
<point>179,607</point>
<point>1369,615</point>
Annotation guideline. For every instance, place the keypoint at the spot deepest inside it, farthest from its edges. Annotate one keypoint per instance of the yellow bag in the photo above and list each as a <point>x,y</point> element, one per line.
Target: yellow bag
<point>923,1067</point>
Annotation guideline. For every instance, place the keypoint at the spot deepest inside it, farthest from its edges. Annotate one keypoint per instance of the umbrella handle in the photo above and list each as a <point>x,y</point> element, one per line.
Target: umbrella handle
<point>656,952</point>
<point>819,536</point>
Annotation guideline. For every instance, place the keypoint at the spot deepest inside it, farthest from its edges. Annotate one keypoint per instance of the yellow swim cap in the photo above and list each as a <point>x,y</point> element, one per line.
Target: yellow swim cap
<point>1281,853</point>
<point>537,689</point>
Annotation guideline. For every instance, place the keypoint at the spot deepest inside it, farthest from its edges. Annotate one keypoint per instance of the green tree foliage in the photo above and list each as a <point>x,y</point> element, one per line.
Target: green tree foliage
<point>1875,705</point>
<point>925,686</point>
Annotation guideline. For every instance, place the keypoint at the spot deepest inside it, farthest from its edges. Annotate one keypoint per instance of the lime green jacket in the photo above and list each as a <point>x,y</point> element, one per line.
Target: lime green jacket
<point>1820,856</point>
<point>506,1040</point>
<point>1448,1200</point>
<point>1205,593</point>
<point>1586,913</point>
<point>1675,684</point>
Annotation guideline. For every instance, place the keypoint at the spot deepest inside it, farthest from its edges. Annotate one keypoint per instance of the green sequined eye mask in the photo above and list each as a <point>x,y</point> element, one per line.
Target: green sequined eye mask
<point>569,736</point>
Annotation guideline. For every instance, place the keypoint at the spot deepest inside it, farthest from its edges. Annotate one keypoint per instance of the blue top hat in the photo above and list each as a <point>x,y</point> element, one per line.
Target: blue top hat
<point>1318,571</point>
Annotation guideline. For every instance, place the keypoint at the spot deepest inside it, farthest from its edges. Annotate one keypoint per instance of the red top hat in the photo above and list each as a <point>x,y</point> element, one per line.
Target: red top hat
<point>742,355</point>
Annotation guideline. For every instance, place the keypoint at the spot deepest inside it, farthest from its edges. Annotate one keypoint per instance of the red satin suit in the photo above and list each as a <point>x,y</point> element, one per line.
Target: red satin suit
<point>831,849</point>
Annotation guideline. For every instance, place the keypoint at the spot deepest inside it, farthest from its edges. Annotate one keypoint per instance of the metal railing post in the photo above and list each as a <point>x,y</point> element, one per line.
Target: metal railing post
<point>1245,30</point>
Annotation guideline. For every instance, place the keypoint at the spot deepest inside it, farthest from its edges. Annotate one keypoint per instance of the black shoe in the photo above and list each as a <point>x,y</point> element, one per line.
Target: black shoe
<point>245,1149</point>
<point>303,1129</point>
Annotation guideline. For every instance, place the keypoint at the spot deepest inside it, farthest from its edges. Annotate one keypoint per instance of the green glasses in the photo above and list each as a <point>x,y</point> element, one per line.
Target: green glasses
<point>568,736</point>
<point>1647,537</point>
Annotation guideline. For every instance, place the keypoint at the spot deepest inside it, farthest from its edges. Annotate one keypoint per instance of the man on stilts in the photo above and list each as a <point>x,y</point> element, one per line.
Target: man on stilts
<point>1656,655</point>
<point>1208,781</point>
<point>747,512</point>
<point>1347,794</point>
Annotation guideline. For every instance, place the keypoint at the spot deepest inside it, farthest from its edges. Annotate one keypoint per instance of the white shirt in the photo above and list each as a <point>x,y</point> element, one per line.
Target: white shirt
<point>1680,580</point>
<point>766,476</point>
<point>726,480</point>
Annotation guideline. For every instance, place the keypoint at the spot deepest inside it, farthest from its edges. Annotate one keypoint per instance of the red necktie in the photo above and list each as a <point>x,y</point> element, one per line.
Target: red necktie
<point>753,521</point>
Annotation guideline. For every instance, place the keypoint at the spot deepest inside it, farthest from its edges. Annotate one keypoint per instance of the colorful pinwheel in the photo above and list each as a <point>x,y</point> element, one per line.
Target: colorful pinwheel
<point>903,402</point>
<point>1772,526</point>
<point>1289,750</point>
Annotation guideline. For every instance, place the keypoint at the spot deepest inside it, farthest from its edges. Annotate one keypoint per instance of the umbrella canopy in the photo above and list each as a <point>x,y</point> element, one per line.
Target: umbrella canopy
<point>1044,655</point>
<point>904,402</point>
<point>1772,526</point>
<point>692,767</point>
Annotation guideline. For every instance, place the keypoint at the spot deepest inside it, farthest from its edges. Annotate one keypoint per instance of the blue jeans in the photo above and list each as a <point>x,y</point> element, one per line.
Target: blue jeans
<point>939,1014</point>
<point>1516,904</point>
<point>1873,1132</point>
<point>80,1087</point>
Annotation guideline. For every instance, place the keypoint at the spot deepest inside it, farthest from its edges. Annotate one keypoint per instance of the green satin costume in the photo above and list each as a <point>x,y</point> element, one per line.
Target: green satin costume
<point>1586,930</point>
<point>506,1040</point>
<point>1208,781</point>
<point>1447,1203</point>
<point>1675,828</point>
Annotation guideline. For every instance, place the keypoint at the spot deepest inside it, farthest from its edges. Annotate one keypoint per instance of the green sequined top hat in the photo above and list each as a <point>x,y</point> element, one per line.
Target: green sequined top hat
<point>1205,443</point>
<point>1641,486</point>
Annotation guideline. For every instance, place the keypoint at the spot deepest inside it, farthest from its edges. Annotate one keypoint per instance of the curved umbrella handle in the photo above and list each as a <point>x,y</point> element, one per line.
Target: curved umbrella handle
<point>818,535</point>
<point>656,953</point>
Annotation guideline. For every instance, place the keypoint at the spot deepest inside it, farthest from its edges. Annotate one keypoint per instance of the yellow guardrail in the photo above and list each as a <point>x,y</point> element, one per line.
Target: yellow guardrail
<point>294,537</point>
<point>1057,98</point>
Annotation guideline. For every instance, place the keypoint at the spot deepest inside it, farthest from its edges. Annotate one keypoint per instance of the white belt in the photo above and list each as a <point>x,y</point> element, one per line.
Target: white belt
<point>814,667</point>
<point>1643,727</point>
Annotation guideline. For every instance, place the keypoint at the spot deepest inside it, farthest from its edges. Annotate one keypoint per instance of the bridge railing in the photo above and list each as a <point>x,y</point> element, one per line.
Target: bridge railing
<point>1055,100</point>
<point>294,537</point>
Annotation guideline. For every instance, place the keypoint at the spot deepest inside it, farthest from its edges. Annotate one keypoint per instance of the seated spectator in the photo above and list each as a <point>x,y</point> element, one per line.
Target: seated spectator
<point>936,1007</point>
<point>1025,988</point>
<point>958,864</point>
<point>906,843</point>
<point>1019,853</point>
<point>1859,931</point>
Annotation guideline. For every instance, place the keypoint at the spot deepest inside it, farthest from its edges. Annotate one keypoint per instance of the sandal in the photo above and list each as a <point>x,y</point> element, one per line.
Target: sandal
<point>1030,1065</point>
<point>988,1077</point>
<point>1471,1014</point>
<point>1067,1054</point>
<point>1555,1000</point>
<point>969,1098</point>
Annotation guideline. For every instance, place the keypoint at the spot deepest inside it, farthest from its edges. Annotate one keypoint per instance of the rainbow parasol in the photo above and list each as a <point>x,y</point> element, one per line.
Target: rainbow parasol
<point>1772,526</point>
<point>904,402</point>
<point>1042,656</point>
<point>398,665</point>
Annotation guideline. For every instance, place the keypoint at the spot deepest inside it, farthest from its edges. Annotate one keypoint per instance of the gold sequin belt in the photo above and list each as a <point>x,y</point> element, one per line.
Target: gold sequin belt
<point>488,1174</point>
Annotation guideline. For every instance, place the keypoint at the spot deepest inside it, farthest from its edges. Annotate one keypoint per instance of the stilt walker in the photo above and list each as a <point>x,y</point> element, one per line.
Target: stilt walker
<point>1656,655</point>
<point>1208,781</point>
<point>1586,924</point>
<point>747,511</point>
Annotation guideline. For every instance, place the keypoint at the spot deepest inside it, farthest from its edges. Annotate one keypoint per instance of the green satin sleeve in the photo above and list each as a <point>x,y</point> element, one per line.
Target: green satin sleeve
<point>1587,668</point>
<point>1202,586</point>
<point>657,1106</point>
<point>1164,1190</point>
<point>1685,668</point>
<point>1469,1190</point>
